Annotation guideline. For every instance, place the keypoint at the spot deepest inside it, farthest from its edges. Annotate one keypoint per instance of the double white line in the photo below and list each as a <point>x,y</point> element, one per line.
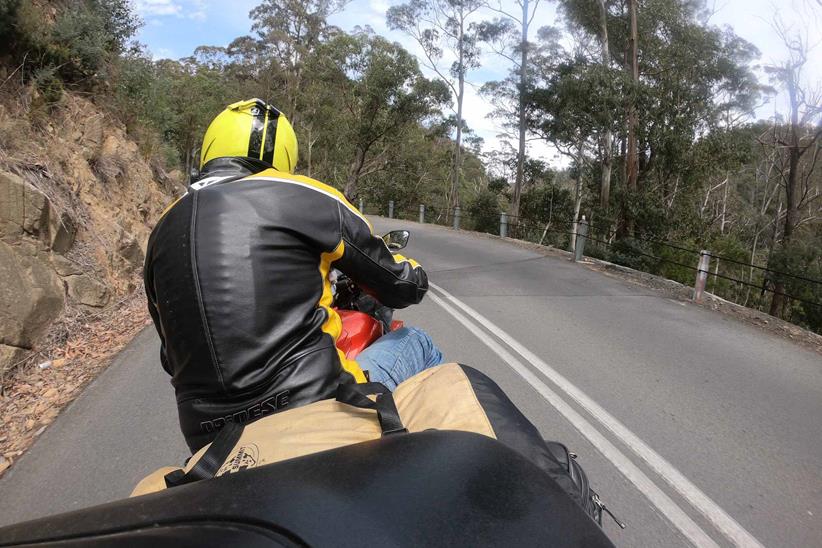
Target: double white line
<point>729,527</point>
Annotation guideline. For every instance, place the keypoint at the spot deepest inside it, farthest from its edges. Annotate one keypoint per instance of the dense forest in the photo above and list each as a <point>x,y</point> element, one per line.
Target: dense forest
<point>652,106</point>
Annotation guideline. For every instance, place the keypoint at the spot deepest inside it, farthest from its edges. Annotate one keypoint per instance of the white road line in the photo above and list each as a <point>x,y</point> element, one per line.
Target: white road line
<point>699,500</point>
<point>646,486</point>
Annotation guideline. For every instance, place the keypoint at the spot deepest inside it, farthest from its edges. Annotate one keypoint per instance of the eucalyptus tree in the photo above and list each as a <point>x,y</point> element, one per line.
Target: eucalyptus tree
<point>676,101</point>
<point>797,144</point>
<point>509,33</point>
<point>445,31</point>
<point>573,100</point>
<point>596,17</point>
<point>290,31</point>
<point>379,93</point>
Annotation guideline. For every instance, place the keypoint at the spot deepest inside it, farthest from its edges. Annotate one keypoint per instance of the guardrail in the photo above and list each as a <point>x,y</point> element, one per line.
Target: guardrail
<point>575,236</point>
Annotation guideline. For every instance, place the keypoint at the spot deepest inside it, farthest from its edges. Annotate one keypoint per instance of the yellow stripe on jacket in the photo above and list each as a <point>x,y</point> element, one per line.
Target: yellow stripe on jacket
<point>333,324</point>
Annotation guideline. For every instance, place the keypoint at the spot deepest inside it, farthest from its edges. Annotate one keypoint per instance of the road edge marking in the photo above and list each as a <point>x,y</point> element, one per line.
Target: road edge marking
<point>669,509</point>
<point>726,524</point>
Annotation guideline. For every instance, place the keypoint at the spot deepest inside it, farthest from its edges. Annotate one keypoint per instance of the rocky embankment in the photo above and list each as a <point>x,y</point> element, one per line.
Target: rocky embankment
<point>77,202</point>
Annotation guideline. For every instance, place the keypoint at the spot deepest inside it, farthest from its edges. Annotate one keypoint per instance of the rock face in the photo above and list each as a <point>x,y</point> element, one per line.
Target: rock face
<point>11,355</point>
<point>87,291</point>
<point>63,230</point>
<point>31,295</point>
<point>24,210</point>
<point>77,203</point>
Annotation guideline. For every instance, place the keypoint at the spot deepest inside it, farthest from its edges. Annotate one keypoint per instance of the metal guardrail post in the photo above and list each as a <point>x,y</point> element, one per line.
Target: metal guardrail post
<point>503,225</point>
<point>582,233</point>
<point>457,215</point>
<point>701,275</point>
<point>422,213</point>
<point>362,206</point>
<point>390,209</point>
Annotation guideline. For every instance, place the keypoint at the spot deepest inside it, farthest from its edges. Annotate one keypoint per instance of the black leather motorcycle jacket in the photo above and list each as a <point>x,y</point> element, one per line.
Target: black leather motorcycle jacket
<point>236,276</point>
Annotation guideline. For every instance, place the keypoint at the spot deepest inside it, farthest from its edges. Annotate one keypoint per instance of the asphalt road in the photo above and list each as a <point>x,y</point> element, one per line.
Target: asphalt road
<point>694,427</point>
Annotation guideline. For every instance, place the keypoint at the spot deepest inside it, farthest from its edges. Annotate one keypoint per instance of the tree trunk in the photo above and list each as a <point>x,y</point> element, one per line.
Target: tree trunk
<point>350,190</point>
<point>631,155</point>
<point>189,163</point>
<point>310,146</point>
<point>607,137</point>
<point>632,160</point>
<point>794,154</point>
<point>791,188</point>
<point>751,268</point>
<point>776,301</point>
<point>455,176</point>
<point>515,199</point>
<point>577,196</point>
<point>724,204</point>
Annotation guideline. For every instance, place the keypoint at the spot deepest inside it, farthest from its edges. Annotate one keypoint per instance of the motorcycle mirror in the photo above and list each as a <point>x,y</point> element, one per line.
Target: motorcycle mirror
<point>396,239</point>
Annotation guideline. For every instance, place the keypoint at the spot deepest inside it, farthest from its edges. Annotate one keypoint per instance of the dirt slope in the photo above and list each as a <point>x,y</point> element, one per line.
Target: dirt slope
<point>77,203</point>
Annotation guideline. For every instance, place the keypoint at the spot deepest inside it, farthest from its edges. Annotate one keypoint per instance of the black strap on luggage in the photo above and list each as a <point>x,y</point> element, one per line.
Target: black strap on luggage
<point>228,436</point>
<point>211,461</point>
<point>357,395</point>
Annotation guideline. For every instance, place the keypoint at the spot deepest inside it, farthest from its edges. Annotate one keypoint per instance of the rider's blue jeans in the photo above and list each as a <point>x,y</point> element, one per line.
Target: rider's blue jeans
<point>399,355</point>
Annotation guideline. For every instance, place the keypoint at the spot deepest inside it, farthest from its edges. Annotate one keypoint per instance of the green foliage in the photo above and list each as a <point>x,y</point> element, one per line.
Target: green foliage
<point>381,92</point>
<point>498,185</point>
<point>634,254</point>
<point>84,38</point>
<point>80,43</point>
<point>48,83</point>
<point>708,178</point>
<point>576,98</point>
<point>802,257</point>
<point>548,203</point>
<point>120,24</point>
<point>443,29</point>
<point>8,16</point>
<point>484,212</point>
<point>20,26</point>
<point>439,26</point>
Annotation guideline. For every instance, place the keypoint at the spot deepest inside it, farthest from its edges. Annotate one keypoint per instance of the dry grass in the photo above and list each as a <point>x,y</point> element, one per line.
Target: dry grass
<point>109,168</point>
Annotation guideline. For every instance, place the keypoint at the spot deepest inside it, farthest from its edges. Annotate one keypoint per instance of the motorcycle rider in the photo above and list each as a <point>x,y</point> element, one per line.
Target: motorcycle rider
<point>236,275</point>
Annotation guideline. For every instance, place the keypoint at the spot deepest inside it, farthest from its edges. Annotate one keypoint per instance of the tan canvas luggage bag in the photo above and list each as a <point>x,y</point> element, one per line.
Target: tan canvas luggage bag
<point>440,398</point>
<point>448,397</point>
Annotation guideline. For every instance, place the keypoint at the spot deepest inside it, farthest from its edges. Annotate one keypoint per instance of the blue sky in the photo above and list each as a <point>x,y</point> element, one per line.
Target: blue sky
<point>173,28</point>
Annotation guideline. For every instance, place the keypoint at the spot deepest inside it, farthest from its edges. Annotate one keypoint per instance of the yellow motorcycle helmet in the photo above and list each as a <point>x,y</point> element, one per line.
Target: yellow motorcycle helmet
<point>251,129</point>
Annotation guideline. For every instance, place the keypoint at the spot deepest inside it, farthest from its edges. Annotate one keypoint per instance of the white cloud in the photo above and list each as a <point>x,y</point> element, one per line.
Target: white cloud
<point>157,7</point>
<point>162,53</point>
<point>197,10</point>
<point>189,9</point>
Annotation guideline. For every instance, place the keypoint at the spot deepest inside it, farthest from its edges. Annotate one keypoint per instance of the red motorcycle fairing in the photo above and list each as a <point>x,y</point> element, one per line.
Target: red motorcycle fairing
<point>359,331</point>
